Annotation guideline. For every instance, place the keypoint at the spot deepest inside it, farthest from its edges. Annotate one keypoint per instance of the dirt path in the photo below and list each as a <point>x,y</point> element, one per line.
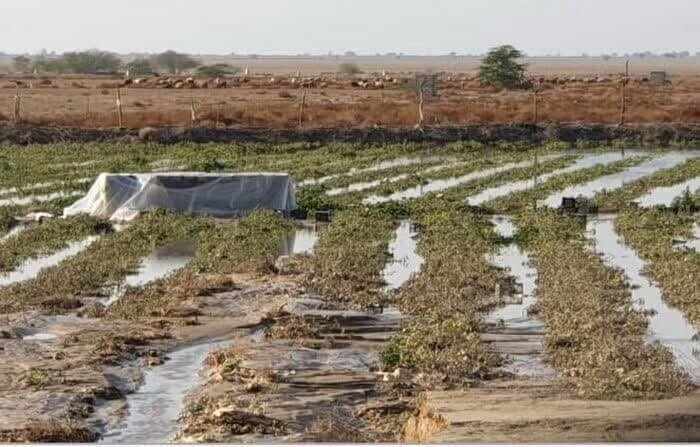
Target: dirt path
<point>531,411</point>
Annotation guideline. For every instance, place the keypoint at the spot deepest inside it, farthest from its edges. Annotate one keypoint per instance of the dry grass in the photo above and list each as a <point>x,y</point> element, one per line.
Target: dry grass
<point>261,104</point>
<point>49,431</point>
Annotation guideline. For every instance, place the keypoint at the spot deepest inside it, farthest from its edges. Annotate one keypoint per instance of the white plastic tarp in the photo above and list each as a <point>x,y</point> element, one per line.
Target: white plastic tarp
<point>122,197</point>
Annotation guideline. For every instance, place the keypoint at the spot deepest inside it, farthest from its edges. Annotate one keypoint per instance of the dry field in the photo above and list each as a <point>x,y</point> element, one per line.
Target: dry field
<point>575,90</point>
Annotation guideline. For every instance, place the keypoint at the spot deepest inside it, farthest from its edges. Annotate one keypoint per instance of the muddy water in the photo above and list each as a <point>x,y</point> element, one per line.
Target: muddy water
<point>664,196</point>
<point>585,162</point>
<point>153,410</point>
<point>30,268</point>
<point>668,325</point>
<point>301,241</point>
<point>405,261</point>
<point>618,180</point>
<point>525,354</point>
<point>160,263</point>
<point>442,184</point>
<point>25,200</point>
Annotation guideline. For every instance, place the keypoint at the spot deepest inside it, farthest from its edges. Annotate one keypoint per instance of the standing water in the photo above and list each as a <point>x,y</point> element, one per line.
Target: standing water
<point>159,264</point>
<point>668,325</point>
<point>618,180</point>
<point>300,241</point>
<point>526,353</point>
<point>154,409</point>
<point>442,184</point>
<point>586,161</point>
<point>405,260</point>
<point>31,268</point>
<point>664,196</point>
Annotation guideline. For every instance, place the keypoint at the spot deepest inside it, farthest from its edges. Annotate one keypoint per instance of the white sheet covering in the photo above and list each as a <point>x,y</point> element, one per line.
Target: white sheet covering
<point>122,197</point>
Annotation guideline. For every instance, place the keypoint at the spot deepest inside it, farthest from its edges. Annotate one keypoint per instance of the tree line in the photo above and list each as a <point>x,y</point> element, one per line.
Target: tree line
<point>97,62</point>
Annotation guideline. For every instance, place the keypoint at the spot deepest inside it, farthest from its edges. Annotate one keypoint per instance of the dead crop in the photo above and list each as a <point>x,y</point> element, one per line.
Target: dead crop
<point>618,199</point>
<point>47,237</point>
<point>595,337</point>
<point>349,257</point>
<point>677,270</point>
<point>528,198</point>
<point>49,431</point>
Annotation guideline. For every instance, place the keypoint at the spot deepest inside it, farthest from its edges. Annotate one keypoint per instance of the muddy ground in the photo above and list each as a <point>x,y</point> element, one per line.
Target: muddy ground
<point>658,134</point>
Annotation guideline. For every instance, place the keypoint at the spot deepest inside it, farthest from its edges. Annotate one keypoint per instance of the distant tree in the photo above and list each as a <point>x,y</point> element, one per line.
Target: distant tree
<point>22,63</point>
<point>139,67</point>
<point>217,70</point>
<point>350,54</point>
<point>89,62</point>
<point>349,68</point>
<point>606,57</point>
<point>501,68</point>
<point>174,62</point>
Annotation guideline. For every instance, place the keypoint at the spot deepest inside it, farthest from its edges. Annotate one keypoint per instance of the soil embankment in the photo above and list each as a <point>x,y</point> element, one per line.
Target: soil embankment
<point>656,134</point>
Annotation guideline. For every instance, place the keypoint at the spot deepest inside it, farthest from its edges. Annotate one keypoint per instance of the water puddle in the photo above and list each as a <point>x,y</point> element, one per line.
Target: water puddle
<point>442,184</point>
<point>405,260</point>
<point>664,196</point>
<point>160,263</point>
<point>31,268</point>
<point>40,336</point>
<point>403,161</point>
<point>585,162</point>
<point>618,180</point>
<point>153,410</point>
<point>695,242</point>
<point>668,325</point>
<point>301,241</point>
<point>26,200</point>
<point>521,334</point>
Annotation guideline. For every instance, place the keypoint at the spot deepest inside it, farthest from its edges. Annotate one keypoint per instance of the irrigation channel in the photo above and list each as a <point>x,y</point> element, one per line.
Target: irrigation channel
<point>31,267</point>
<point>667,325</point>
<point>587,160</point>
<point>664,196</point>
<point>512,330</point>
<point>442,184</point>
<point>614,181</point>
<point>153,410</point>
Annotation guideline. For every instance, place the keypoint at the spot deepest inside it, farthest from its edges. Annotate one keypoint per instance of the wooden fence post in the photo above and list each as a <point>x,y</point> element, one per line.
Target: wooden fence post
<point>87,108</point>
<point>536,106</point>
<point>120,116</point>
<point>301,109</point>
<point>623,102</point>
<point>193,112</point>
<point>421,116</point>
<point>18,105</point>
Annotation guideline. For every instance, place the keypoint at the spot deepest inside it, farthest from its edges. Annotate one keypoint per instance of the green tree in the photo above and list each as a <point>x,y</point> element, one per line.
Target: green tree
<point>174,62</point>
<point>501,68</point>
<point>90,62</point>
<point>349,68</point>
<point>139,67</point>
<point>216,70</point>
<point>22,63</point>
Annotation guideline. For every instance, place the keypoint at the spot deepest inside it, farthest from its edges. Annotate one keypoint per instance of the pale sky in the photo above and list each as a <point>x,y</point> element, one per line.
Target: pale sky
<point>430,27</point>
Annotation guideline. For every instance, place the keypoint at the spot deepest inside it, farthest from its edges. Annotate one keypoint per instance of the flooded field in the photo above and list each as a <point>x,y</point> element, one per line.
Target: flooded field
<point>421,296</point>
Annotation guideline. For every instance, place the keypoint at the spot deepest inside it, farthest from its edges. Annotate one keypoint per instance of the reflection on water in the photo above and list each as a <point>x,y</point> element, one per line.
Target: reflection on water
<point>160,263</point>
<point>515,316</point>
<point>618,180</point>
<point>664,196</point>
<point>31,268</point>
<point>585,162</point>
<point>300,241</point>
<point>668,325</point>
<point>405,261</point>
<point>442,184</point>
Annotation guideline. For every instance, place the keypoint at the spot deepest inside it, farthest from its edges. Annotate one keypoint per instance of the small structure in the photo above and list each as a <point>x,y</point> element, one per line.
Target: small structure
<point>658,78</point>
<point>123,197</point>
